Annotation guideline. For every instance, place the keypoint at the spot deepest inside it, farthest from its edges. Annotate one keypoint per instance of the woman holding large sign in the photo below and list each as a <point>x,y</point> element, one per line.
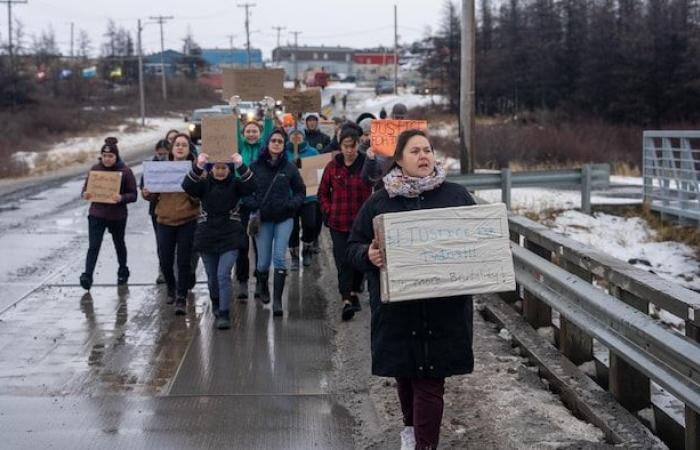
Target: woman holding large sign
<point>417,342</point>
<point>279,194</point>
<point>108,209</point>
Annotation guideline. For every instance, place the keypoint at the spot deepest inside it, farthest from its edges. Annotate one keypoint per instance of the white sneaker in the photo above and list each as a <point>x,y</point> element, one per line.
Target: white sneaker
<point>408,439</point>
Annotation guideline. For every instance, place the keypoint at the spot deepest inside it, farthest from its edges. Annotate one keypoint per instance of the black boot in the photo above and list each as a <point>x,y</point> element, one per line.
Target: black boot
<point>215,306</point>
<point>277,289</point>
<point>86,281</point>
<point>257,286</point>
<point>122,276</point>
<point>307,254</point>
<point>263,278</point>
<point>294,252</point>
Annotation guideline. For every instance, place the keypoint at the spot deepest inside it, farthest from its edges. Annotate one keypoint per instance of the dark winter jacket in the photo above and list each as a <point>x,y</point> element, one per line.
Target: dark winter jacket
<point>128,191</point>
<point>332,146</point>
<point>286,194</point>
<point>317,139</point>
<point>342,192</point>
<point>429,338</point>
<point>219,227</point>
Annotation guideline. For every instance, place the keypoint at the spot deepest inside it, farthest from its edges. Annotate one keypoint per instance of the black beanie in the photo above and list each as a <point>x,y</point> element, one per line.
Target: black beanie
<point>110,146</point>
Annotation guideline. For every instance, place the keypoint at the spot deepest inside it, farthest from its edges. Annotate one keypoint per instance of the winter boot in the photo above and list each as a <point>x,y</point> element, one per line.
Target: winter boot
<point>180,306</point>
<point>294,251</point>
<point>122,276</point>
<point>170,299</point>
<point>243,291</point>
<point>222,320</point>
<point>263,278</point>
<point>307,254</point>
<point>215,306</point>
<point>277,289</point>
<point>86,281</point>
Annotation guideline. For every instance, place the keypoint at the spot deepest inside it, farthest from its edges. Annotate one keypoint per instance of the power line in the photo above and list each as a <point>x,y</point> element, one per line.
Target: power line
<point>161,20</point>
<point>247,7</point>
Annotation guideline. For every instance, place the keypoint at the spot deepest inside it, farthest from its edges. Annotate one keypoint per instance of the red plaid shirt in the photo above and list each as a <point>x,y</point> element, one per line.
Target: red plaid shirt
<point>342,192</point>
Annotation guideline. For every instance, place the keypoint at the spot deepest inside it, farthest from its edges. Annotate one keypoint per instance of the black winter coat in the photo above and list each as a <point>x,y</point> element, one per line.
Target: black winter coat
<point>286,195</point>
<point>429,338</point>
<point>317,139</point>
<point>219,227</point>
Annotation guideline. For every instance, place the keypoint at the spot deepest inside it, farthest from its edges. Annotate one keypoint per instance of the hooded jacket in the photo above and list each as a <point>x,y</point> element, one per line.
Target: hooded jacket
<point>128,191</point>
<point>250,152</point>
<point>317,139</point>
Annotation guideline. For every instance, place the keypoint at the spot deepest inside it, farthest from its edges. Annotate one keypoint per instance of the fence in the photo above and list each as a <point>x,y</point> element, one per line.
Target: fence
<point>671,170</point>
<point>587,178</point>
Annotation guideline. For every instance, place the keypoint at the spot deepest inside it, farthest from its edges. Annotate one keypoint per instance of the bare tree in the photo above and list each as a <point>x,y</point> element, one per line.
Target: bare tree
<point>84,45</point>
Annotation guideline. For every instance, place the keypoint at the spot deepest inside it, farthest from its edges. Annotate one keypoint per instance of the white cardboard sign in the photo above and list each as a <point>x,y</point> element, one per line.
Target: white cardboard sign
<point>165,176</point>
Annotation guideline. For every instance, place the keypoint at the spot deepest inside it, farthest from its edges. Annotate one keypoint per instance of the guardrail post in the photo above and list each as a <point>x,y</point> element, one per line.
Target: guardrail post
<point>629,386</point>
<point>536,312</point>
<point>692,418</point>
<point>512,297</point>
<point>506,184</point>
<point>573,342</point>
<point>586,187</point>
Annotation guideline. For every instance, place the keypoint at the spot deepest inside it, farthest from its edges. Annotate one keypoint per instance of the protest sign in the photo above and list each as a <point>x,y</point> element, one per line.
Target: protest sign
<point>220,137</point>
<point>165,176</point>
<point>103,185</point>
<point>254,84</point>
<point>386,132</point>
<point>444,252</point>
<point>302,101</point>
<point>312,171</point>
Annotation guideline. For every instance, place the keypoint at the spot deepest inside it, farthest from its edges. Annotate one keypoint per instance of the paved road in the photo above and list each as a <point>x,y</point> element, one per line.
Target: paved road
<point>115,368</point>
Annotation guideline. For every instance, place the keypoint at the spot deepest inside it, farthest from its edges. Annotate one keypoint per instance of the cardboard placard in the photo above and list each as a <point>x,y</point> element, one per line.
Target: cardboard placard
<point>312,171</point>
<point>103,185</point>
<point>220,137</point>
<point>386,132</point>
<point>302,101</point>
<point>445,252</point>
<point>327,127</point>
<point>165,176</point>
<point>253,84</point>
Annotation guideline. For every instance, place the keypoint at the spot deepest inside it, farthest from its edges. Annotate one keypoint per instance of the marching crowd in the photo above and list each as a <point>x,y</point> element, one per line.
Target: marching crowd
<point>258,199</point>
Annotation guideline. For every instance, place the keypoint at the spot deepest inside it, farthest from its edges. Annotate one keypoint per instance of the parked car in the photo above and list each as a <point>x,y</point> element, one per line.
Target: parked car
<point>384,87</point>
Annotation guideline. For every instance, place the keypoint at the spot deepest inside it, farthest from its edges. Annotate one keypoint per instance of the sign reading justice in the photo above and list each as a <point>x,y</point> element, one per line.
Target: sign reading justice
<point>386,132</point>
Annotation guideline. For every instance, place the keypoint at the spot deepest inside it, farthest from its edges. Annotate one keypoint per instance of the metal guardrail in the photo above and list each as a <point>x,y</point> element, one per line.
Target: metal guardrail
<point>588,177</point>
<point>556,273</point>
<point>671,171</point>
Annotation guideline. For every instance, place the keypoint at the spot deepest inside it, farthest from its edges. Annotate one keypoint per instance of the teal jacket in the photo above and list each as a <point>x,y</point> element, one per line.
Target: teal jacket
<point>305,151</point>
<point>250,152</point>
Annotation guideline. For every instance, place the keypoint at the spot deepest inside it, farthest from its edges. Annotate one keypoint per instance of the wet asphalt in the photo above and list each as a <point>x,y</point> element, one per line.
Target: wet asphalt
<point>114,368</point>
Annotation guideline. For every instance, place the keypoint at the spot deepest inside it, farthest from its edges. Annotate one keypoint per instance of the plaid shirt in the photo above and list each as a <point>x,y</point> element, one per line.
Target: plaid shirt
<point>342,192</point>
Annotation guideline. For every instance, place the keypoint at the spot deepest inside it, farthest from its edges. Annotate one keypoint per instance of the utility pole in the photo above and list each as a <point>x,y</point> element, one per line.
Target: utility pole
<point>247,7</point>
<point>9,46</point>
<point>161,20</point>
<point>72,34</point>
<point>296,49</point>
<point>396,53</point>
<point>466,89</point>
<point>230,41</point>
<point>279,30</point>
<point>142,98</point>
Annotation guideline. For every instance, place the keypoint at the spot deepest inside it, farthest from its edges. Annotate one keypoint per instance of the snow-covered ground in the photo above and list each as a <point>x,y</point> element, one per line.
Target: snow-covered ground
<point>131,138</point>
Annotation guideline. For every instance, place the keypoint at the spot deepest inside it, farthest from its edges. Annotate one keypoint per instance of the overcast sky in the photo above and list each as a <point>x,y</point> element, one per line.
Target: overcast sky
<point>358,23</point>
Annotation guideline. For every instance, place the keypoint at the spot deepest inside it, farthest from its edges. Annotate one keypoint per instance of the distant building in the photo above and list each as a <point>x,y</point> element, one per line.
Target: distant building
<point>218,58</point>
<point>171,60</point>
<point>297,60</point>
<point>370,65</point>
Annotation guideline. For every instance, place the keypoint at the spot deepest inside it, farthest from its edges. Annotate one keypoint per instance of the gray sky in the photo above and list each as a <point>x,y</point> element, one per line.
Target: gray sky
<point>357,23</point>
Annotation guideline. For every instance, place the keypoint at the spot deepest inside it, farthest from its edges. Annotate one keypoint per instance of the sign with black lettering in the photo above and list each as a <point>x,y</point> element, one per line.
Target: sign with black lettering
<point>445,252</point>
<point>385,133</point>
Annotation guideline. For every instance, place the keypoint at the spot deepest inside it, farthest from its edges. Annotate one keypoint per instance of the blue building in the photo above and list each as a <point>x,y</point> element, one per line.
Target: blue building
<point>216,58</point>
<point>171,60</point>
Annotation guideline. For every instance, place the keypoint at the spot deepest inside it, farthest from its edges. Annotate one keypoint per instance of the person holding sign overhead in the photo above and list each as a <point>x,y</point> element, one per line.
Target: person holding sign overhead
<point>220,234</point>
<point>110,213</point>
<point>176,213</point>
<point>298,149</point>
<point>418,342</point>
<point>280,192</point>
<point>341,194</point>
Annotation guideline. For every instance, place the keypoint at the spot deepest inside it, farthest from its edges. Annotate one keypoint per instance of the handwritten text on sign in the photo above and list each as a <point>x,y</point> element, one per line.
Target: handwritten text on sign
<point>386,132</point>
<point>220,137</point>
<point>254,84</point>
<point>165,176</point>
<point>445,252</point>
<point>103,185</point>
<point>302,101</point>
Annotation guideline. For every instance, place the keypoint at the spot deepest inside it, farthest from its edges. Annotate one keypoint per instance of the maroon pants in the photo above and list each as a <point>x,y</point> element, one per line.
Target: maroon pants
<point>422,406</point>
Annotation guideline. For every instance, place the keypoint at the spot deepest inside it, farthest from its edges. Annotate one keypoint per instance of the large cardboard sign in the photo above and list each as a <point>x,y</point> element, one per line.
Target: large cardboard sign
<point>165,176</point>
<point>254,84</point>
<point>103,185</point>
<point>312,171</point>
<point>220,137</point>
<point>302,101</point>
<point>445,252</point>
<point>386,132</point>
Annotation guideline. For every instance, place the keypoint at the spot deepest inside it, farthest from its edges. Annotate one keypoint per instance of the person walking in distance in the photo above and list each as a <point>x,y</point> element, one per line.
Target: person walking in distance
<point>419,342</point>
<point>109,216</point>
<point>220,234</point>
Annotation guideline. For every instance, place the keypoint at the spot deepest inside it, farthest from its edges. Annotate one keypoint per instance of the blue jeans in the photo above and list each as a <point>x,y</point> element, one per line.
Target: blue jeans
<point>272,241</point>
<point>218,267</point>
